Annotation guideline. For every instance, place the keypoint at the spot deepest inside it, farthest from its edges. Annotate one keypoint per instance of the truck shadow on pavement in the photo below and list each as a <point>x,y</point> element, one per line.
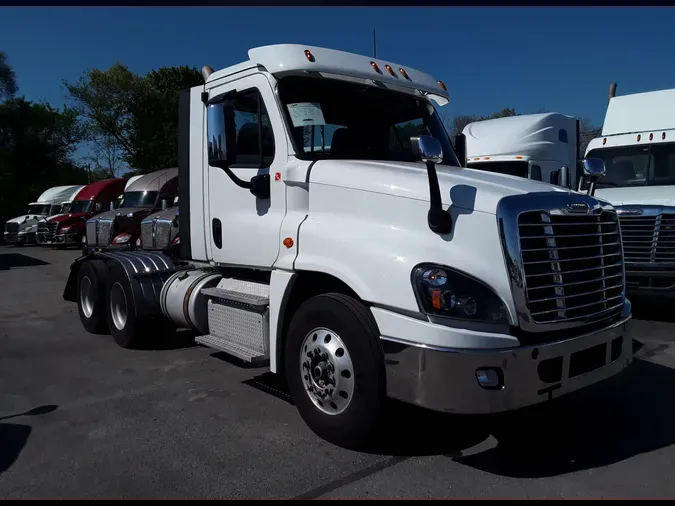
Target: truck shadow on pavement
<point>12,260</point>
<point>13,436</point>
<point>624,416</point>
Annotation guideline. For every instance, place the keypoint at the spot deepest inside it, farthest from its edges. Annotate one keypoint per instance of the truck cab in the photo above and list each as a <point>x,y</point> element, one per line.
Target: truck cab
<point>329,231</point>
<point>42,228</point>
<point>119,228</point>
<point>637,145</point>
<point>130,181</point>
<point>69,229</point>
<point>23,229</point>
<point>543,147</point>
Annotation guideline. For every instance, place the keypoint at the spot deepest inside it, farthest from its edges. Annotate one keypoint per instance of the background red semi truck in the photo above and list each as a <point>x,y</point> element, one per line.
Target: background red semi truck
<point>68,229</point>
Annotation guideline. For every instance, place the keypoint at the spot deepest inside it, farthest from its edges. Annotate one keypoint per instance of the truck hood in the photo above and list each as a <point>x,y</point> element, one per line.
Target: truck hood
<point>463,188</point>
<point>123,211</point>
<point>28,219</point>
<point>638,195</point>
<point>65,219</point>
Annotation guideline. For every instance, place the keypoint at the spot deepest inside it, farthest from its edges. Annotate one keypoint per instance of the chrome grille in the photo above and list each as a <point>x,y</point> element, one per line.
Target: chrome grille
<point>12,228</point>
<point>572,265</point>
<point>52,227</point>
<point>103,234</point>
<point>147,227</point>
<point>91,233</point>
<point>649,239</point>
<point>163,234</point>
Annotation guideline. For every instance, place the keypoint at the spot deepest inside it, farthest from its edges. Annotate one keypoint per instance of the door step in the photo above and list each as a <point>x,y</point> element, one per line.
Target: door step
<point>238,317</point>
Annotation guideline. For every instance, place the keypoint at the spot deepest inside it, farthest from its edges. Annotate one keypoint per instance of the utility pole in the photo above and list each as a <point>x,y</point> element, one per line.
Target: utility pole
<point>374,45</point>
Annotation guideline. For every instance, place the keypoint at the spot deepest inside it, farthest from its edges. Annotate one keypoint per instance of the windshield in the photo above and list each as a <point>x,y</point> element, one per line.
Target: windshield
<point>331,119</point>
<point>81,206</point>
<point>649,165</point>
<point>39,209</point>
<point>138,199</point>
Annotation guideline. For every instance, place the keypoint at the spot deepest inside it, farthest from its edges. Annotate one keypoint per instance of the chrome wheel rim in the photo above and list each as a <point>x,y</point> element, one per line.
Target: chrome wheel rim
<point>87,297</point>
<point>118,306</point>
<point>327,371</point>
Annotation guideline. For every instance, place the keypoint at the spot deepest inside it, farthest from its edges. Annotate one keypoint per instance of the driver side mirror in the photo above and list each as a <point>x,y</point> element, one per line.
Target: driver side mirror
<point>460,148</point>
<point>426,149</point>
<point>593,170</point>
<point>165,203</point>
<point>221,133</point>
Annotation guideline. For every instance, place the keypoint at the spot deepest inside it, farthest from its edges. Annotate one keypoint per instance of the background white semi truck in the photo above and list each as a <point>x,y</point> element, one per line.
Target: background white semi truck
<point>638,147</point>
<point>375,266</point>
<point>544,147</point>
<point>23,229</point>
<point>64,208</point>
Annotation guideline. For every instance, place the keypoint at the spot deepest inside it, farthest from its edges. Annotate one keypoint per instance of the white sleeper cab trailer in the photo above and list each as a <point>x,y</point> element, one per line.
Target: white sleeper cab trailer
<point>44,231</point>
<point>638,148</point>
<point>376,267</point>
<point>544,147</point>
<point>23,229</point>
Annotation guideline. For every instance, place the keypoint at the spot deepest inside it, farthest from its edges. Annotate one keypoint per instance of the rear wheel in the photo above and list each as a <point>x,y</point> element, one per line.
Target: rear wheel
<point>91,282</point>
<point>335,369</point>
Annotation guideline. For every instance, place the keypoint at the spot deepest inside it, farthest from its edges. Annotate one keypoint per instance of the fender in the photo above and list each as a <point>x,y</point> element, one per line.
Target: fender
<point>147,272</point>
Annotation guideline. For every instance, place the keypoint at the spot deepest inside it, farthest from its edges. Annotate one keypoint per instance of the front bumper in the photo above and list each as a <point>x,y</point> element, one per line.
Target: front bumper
<point>69,239</point>
<point>445,380</point>
<point>20,238</point>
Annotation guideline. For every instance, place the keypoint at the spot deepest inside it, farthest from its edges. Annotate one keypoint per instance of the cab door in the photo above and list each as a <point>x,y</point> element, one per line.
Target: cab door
<point>245,229</point>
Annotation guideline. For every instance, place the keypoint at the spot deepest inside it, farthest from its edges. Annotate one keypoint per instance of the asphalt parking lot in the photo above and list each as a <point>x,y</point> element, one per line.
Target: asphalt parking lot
<point>83,418</point>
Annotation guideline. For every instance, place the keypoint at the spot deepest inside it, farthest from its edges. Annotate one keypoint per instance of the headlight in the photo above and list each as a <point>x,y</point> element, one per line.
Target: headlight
<point>440,291</point>
<point>65,230</point>
<point>29,229</point>
<point>121,239</point>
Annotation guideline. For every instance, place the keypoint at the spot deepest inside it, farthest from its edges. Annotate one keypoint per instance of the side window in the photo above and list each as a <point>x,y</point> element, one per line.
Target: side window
<point>562,135</point>
<point>400,134</point>
<point>535,172</point>
<point>255,137</point>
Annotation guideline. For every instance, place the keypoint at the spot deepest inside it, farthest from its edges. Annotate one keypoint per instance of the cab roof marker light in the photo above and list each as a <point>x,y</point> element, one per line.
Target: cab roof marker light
<point>663,136</point>
<point>309,56</point>
<point>375,67</point>
<point>519,157</point>
<point>604,141</point>
<point>651,136</point>
<point>390,70</point>
<point>404,73</point>
<point>442,85</point>
<point>639,137</point>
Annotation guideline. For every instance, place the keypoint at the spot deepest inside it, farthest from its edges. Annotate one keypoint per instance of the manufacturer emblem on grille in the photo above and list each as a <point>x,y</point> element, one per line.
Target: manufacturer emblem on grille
<point>579,208</point>
<point>629,211</point>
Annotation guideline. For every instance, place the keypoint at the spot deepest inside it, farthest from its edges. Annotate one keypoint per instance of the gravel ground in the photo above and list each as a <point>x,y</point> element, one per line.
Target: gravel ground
<point>187,422</point>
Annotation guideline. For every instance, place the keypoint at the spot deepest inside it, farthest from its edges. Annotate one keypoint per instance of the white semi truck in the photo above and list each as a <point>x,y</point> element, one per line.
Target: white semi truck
<point>638,147</point>
<point>543,146</point>
<point>23,229</point>
<point>375,266</point>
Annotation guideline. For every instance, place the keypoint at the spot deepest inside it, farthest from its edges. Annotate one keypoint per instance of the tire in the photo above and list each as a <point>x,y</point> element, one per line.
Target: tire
<point>127,328</point>
<point>358,394</point>
<point>91,295</point>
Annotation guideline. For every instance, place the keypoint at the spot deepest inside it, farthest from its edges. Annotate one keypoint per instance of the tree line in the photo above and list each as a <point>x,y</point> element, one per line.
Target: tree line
<point>129,123</point>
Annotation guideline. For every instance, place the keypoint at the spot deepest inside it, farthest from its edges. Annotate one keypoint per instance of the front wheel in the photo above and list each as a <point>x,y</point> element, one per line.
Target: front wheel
<point>335,369</point>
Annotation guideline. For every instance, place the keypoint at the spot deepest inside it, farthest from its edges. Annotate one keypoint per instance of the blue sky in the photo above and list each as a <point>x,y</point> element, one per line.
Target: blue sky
<point>560,59</point>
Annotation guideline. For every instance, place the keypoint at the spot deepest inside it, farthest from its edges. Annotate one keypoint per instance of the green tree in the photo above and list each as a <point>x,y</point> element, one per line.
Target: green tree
<point>136,114</point>
<point>8,86</point>
<point>36,147</point>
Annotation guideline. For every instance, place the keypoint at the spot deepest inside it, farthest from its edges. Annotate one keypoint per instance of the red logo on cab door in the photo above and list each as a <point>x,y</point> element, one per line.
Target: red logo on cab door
<point>277,176</point>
